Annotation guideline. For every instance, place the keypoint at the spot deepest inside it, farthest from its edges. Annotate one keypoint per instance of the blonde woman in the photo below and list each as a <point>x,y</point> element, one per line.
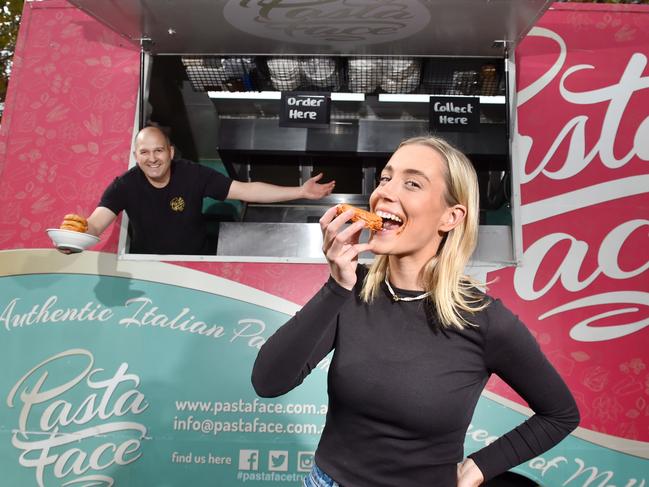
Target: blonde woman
<point>414,340</point>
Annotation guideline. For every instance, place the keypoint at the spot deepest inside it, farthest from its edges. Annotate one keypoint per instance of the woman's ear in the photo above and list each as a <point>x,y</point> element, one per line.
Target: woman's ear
<point>453,216</point>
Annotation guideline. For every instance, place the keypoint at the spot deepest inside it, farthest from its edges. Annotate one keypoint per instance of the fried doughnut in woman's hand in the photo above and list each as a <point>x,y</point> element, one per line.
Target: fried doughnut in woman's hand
<point>372,221</point>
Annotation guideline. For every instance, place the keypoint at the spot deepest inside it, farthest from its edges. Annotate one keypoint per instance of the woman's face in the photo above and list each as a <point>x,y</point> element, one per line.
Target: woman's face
<point>410,198</point>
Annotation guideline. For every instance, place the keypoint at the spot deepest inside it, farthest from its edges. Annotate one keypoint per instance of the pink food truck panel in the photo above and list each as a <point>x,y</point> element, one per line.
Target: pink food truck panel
<point>137,372</point>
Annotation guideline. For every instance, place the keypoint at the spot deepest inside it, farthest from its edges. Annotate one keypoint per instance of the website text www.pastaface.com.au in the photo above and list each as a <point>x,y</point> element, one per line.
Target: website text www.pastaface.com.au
<point>251,425</point>
<point>254,406</point>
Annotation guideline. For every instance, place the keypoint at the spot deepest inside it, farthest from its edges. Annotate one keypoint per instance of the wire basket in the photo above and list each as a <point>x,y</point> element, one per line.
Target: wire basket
<point>220,73</point>
<point>401,75</point>
<point>305,73</point>
<point>359,74</point>
<point>364,75</point>
<point>445,76</point>
<point>322,73</point>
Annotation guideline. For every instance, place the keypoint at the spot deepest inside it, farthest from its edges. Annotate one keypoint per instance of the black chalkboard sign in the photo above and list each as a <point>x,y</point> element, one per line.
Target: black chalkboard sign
<point>299,109</point>
<point>454,113</point>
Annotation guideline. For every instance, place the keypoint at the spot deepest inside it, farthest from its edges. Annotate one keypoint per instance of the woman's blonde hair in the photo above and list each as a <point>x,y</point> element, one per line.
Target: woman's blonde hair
<point>452,293</point>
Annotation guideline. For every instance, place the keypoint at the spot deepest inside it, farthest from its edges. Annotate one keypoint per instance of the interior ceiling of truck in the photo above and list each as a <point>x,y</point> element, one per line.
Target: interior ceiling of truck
<point>320,27</point>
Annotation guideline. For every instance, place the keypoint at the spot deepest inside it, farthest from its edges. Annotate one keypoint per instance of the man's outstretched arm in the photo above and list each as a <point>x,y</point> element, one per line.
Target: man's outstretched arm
<point>257,192</point>
<point>99,220</point>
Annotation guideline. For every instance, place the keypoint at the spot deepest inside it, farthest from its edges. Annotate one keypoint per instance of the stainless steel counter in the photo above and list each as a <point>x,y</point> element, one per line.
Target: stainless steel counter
<point>303,242</point>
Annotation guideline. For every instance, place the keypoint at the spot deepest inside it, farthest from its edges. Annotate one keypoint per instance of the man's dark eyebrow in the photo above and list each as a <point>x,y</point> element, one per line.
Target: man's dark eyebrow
<point>412,172</point>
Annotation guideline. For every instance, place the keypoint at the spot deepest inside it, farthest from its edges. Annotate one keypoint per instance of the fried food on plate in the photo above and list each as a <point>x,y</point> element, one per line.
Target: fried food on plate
<point>74,222</point>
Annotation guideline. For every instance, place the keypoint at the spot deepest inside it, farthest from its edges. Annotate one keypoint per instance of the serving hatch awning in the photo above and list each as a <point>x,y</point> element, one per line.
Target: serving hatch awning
<point>476,28</point>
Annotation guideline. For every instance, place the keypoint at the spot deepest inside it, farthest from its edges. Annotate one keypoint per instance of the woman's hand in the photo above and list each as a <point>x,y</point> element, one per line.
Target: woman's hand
<point>341,247</point>
<point>468,474</point>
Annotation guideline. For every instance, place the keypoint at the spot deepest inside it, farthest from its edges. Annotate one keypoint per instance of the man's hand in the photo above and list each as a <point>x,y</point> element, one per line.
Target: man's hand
<point>258,192</point>
<point>75,223</point>
<point>313,190</point>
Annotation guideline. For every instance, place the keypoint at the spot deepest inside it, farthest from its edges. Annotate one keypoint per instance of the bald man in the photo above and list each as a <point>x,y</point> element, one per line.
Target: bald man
<point>163,198</point>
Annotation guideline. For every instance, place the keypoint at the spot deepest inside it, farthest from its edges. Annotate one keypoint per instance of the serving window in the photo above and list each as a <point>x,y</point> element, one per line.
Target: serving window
<point>223,112</point>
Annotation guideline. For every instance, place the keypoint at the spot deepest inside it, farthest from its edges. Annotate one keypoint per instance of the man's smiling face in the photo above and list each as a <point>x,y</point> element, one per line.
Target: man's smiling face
<point>153,154</point>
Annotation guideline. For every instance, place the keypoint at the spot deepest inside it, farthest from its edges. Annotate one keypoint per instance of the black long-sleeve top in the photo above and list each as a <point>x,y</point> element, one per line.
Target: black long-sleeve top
<point>402,392</point>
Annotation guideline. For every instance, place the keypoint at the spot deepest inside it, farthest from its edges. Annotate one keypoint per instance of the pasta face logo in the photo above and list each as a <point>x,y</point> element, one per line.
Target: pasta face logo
<point>177,203</point>
<point>76,421</point>
<point>338,23</point>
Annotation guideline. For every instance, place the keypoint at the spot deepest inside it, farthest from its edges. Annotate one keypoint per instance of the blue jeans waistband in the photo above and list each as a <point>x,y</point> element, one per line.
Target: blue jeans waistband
<point>317,478</point>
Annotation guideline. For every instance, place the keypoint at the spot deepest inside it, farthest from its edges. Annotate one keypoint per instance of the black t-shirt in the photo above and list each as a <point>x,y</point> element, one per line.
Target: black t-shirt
<point>402,395</point>
<point>166,220</point>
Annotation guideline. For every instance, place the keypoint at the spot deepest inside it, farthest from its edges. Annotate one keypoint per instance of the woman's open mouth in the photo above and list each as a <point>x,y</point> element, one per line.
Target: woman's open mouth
<point>390,221</point>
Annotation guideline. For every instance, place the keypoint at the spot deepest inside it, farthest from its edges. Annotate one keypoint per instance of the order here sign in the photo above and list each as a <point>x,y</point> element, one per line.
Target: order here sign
<point>300,109</point>
<point>454,113</point>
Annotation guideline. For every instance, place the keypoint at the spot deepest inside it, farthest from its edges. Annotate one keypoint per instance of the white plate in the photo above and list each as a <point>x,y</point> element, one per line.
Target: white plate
<point>71,240</point>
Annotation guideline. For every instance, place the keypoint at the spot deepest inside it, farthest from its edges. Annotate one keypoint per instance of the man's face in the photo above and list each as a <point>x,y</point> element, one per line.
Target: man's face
<point>153,155</point>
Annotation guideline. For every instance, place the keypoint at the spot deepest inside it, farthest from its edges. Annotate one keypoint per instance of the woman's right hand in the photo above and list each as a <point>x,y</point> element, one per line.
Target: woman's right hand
<point>341,247</point>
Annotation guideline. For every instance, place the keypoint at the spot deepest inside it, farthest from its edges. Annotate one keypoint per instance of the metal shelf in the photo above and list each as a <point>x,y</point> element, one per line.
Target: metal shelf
<point>275,95</point>
<point>383,97</point>
<point>424,98</point>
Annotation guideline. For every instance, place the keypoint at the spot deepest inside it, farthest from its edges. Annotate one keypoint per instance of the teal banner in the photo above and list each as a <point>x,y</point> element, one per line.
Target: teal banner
<point>129,382</point>
<point>112,381</point>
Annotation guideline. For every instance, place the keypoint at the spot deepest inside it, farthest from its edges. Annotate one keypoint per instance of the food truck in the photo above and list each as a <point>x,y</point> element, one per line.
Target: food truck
<point>134,369</point>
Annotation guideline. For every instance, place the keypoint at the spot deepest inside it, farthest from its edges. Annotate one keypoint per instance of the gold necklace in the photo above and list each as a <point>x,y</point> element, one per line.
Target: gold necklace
<point>406,298</point>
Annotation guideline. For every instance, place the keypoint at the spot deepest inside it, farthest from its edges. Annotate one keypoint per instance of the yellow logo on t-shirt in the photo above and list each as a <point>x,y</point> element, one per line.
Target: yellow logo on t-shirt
<point>177,203</point>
